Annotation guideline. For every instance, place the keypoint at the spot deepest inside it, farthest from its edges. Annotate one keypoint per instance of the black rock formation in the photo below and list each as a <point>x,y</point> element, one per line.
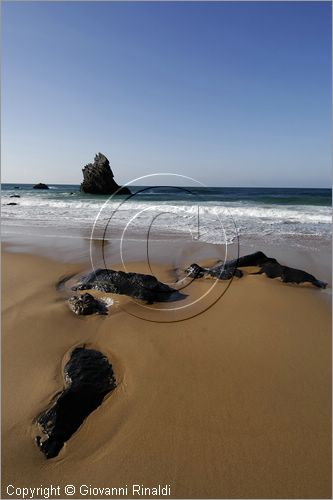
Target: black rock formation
<point>289,274</point>
<point>88,379</point>
<point>98,178</point>
<point>267,265</point>
<point>11,203</point>
<point>139,286</point>
<point>86,304</point>
<point>15,196</point>
<point>220,271</point>
<point>41,186</point>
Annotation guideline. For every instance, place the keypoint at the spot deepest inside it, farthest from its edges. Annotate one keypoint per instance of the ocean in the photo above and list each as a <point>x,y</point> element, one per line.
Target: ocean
<point>209,214</point>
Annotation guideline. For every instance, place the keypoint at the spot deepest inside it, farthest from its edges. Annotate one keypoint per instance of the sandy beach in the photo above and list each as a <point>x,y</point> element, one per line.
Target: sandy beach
<point>166,224</point>
<point>235,402</point>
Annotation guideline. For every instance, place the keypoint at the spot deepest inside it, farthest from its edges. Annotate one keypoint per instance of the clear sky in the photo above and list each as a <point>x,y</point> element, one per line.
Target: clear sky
<point>231,93</point>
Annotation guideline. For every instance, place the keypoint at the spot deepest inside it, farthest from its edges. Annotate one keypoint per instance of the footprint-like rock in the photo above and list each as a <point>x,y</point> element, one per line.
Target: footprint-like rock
<point>88,379</point>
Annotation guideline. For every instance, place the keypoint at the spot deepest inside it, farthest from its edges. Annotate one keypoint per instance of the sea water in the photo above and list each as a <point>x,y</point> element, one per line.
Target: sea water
<point>214,215</point>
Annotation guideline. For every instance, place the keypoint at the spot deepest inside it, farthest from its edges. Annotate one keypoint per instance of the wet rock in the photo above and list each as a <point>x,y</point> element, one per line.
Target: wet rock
<point>86,304</point>
<point>98,178</point>
<point>12,203</point>
<point>41,186</point>
<point>140,286</point>
<point>15,196</point>
<point>221,272</point>
<point>267,265</point>
<point>88,377</point>
<point>289,274</point>
<point>253,259</point>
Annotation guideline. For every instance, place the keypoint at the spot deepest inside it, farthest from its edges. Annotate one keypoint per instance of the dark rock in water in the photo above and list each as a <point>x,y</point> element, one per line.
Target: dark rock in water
<point>11,203</point>
<point>86,304</point>
<point>15,196</point>
<point>16,187</point>
<point>267,265</point>
<point>139,286</point>
<point>98,178</point>
<point>41,186</point>
<point>88,379</point>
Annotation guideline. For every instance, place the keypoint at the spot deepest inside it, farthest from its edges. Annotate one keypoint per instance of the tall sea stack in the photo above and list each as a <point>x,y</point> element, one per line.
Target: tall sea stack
<point>98,178</point>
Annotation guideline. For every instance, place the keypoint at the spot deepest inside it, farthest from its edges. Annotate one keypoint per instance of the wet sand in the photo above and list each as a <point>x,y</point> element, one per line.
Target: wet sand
<point>234,402</point>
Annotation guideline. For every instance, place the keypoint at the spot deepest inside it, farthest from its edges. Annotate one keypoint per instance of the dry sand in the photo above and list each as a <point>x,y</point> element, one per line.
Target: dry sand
<point>232,403</point>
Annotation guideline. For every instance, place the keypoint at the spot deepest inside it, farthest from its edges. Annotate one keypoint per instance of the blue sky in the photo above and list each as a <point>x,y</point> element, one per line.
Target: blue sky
<point>230,93</point>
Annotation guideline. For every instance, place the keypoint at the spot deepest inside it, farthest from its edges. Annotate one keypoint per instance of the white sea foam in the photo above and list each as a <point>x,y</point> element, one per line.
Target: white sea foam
<point>209,221</point>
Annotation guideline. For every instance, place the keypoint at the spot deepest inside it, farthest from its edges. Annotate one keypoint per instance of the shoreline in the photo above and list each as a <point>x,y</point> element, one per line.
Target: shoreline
<point>241,390</point>
<point>315,259</point>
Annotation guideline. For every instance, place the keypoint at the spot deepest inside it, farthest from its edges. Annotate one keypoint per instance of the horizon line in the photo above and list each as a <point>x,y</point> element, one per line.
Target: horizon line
<point>167,185</point>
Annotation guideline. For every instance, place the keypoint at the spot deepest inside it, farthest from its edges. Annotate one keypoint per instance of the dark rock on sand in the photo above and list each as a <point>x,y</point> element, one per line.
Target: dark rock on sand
<point>86,304</point>
<point>267,265</point>
<point>15,196</point>
<point>221,272</point>
<point>289,274</point>
<point>139,286</point>
<point>11,203</point>
<point>88,379</point>
<point>98,178</point>
<point>41,186</point>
